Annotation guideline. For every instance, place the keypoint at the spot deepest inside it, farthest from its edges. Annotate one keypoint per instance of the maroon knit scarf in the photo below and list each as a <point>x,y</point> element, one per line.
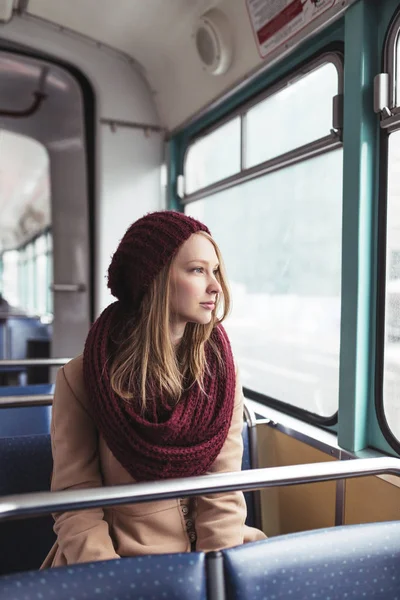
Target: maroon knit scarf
<point>188,438</point>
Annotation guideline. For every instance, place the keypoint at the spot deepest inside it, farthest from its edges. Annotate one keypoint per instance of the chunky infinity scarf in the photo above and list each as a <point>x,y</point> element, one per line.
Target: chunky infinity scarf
<point>189,437</point>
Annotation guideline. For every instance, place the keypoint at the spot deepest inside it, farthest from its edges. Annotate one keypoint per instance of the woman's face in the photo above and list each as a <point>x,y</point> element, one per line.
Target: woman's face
<point>193,283</point>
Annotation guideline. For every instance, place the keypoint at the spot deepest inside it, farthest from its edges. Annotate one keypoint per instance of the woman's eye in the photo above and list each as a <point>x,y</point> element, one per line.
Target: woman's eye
<point>216,271</point>
<point>198,269</point>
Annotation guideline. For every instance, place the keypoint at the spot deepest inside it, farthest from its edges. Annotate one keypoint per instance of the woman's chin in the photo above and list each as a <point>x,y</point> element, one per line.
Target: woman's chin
<point>201,320</point>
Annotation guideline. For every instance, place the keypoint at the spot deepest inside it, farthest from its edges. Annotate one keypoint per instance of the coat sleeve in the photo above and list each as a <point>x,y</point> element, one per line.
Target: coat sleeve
<point>82,536</point>
<point>220,517</point>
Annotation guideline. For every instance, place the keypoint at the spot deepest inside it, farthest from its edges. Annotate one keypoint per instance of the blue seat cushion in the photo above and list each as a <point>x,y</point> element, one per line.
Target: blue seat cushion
<point>23,329</point>
<point>25,466</point>
<point>356,562</point>
<point>27,390</point>
<point>26,420</point>
<point>164,576</point>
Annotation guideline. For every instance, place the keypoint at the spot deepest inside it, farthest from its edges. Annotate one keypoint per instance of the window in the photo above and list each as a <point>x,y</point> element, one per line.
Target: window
<point>10,283</point>
<point>27,275</point>
<point>388,402</point>
<point>397,90</point>
<point>25,238</point>
<point>213,157</point>
<point>394,265</point>
<point>280,235</point>
<point>391,377</point>
<point>274,126</point>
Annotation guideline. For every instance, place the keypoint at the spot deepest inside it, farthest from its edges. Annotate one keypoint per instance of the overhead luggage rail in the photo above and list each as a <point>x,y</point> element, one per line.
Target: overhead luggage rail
<point>40,503</point>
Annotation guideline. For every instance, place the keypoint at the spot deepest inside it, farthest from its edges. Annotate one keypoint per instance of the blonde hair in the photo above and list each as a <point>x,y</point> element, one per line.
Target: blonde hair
<point>146,361</point>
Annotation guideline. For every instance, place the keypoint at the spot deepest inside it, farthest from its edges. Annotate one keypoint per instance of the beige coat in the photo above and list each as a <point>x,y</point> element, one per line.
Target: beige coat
<point>83,460</point>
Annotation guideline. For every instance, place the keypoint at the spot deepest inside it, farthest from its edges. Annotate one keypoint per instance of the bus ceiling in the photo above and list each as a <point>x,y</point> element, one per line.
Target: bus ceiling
<point>193,47</point>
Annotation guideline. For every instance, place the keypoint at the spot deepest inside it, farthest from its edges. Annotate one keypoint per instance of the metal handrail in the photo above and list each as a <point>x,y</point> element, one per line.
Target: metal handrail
<point>21,401</point>
<point>40,503</point>
<point>34,362</point>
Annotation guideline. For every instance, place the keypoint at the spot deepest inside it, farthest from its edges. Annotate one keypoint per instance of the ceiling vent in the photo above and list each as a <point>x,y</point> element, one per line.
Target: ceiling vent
<point>214,42</point>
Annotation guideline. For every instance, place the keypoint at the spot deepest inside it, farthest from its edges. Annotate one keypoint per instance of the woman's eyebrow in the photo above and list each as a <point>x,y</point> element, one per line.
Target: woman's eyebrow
<point>200,260</point>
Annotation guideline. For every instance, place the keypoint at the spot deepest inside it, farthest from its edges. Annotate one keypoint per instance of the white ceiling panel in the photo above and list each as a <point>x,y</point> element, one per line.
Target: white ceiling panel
<point>158,35</point>
<point>142,29</point>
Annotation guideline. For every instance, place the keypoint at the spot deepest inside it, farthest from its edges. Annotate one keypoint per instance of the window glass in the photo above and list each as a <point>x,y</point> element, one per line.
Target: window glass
<point>25,209</point>
<point>398,71</point>
<point>31,280</point>
<point>41,275</point>
<point>391,379</point>
<point>49,300</point>
<point>22,279</point>
<point>10,282</point>
<point>280,236</point>
<point>213,157</point>
<point>41,245</point>
<point>296,115</point>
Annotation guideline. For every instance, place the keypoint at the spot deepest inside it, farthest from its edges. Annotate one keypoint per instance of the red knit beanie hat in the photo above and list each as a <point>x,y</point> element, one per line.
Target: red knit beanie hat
<point>145,249</point>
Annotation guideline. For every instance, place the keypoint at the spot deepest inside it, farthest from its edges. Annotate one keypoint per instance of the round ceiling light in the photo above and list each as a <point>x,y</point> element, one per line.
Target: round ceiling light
<point>214,43</point>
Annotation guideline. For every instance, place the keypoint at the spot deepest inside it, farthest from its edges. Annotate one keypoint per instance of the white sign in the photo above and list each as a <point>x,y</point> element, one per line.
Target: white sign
<point>277,21</point>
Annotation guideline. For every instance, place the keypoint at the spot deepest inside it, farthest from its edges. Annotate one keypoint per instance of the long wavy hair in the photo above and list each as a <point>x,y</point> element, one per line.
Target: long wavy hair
<point>146,363</point>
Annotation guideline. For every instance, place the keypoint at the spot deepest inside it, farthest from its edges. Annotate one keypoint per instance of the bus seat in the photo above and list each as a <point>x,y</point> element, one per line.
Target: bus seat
<point>360,562</point>
<point>22,329</point>
<point>25,466</point>
<point>246,464</point>
<point>29,420</point>
<point>160,576</point>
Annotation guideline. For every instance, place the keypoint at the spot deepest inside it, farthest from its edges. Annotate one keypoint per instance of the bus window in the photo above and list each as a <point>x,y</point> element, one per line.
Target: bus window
<point>387,398</point>
<point>391,378</point>
<point>25,238</point>
<point>274,126</point>
<point>213,157</point>
<point>280,233</point>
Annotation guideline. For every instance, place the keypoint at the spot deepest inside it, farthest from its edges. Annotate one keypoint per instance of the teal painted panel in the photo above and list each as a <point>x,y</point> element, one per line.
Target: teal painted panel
<point>173,202</point>
<point>359,216</point>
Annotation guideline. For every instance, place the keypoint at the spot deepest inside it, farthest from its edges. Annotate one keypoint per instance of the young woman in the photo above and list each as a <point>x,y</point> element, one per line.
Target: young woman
<point>155,395</point>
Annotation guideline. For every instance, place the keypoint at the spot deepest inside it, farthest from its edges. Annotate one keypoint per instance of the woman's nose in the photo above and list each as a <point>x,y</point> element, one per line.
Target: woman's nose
<point>214,286</point>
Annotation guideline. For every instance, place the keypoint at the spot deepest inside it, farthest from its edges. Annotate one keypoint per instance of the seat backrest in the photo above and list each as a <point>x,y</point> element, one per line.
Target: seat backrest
<point>22,329</point>
<point>360,562</point>
<point>160,576</point>
<point>29,420</point>
<point>246,464</point>
<point>25,466</point>
<point>26,390</point>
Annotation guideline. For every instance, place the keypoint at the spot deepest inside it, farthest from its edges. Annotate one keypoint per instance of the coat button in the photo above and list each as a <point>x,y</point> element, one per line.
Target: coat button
<point>189,523</point>
<point>185,510</point>
<point>192,536</point>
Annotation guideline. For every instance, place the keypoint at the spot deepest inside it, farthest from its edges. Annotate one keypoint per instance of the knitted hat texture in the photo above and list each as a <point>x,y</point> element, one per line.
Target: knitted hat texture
<point>145,249</point>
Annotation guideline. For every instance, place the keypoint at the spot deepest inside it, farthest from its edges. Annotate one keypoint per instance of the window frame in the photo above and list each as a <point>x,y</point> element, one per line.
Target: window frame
<point>388,125</point>
<point>328,143</point>
<point>390,59</point>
